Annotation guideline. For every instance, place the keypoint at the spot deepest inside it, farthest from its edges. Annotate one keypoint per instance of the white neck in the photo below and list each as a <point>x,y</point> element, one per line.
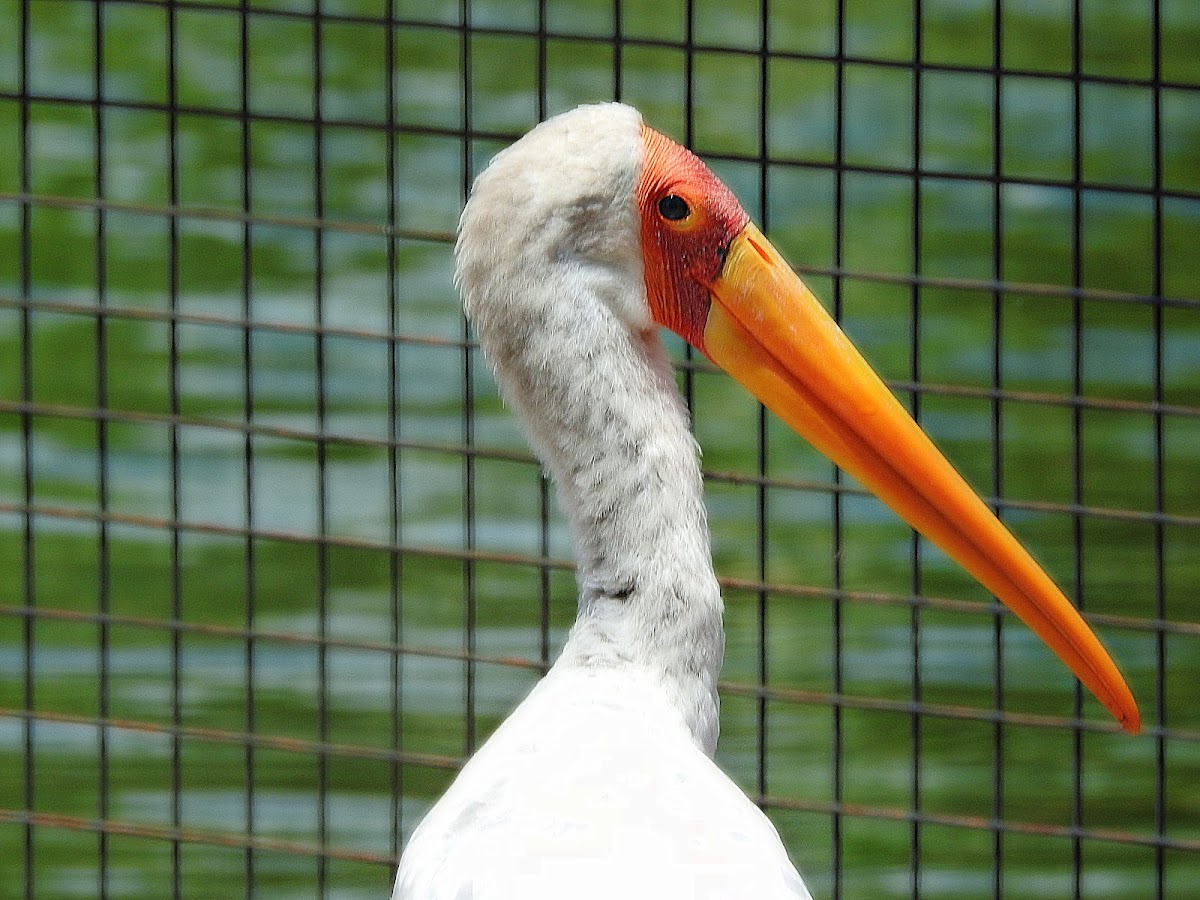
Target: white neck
<point>602,409</point>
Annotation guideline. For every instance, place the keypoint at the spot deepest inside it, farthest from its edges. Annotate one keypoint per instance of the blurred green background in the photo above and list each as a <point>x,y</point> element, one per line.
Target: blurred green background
<point>232,503</point>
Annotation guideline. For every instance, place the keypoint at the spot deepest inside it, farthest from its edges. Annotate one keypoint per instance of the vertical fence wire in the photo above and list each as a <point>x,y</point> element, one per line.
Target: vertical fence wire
<point>468,418</point>
<point>1077,452</point>
<point>319,356</point>
<point>102,493</point>
<point>174,407</point>
<point>837,744</point>
<point>249,580</point>
<point>396,508</point>
<point>996,437</point>
<point>29,593</point>
<point>915,375</point>
<point>761,494</point>
<point>1160,587</point>
<point>689,138</point>
<point>441,688</point>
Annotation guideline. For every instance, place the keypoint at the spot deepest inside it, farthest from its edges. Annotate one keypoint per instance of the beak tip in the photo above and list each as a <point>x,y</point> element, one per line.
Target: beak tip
<point>766,329</point>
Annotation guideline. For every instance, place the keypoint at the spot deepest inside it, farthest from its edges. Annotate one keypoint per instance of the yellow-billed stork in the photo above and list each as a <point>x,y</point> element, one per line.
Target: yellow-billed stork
<point>577,243</point>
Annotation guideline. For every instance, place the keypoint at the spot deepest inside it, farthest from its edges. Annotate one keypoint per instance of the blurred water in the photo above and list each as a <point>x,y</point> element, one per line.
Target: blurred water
<point>956,664</point>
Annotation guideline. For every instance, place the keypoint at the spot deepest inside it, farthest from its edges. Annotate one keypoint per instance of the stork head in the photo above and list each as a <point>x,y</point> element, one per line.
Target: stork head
<point>661,241</point>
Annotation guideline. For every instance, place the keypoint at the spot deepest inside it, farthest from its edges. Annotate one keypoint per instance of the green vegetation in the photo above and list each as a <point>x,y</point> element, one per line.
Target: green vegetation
<point>183,371</point>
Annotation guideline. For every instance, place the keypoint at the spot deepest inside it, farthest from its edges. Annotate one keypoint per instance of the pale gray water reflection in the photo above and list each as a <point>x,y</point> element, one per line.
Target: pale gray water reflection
<point>227,580</point>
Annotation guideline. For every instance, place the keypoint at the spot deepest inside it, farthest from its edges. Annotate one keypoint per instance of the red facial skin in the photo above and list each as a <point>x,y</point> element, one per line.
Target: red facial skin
<point>683,257</point>
<point>768,331</point>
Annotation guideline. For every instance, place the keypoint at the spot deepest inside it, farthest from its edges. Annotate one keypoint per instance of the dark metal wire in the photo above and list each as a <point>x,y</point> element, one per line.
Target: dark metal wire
<point>618,47</point>
<point>1077,454</point>
<point>468,414</point>
<point>458,450</point>
<point>204,837</point>
<point>689,140</point>
<point>322,449</point>
<point>102,545</point>
<point>970,286</point>
<point>838,743</point>
<point>324,437</point>
<point>25,268</point>
<point>113,311</point>
<point>544,499</point>
<point>845,167</point>
<point>875,598</point>
<point>761,498</point>
<point>820,699</point>
<point>250,587</point>
<point>396,505</point>
<point>1160,580</point>
<point>286,13</point>
<point>997,411</point>
<point>797,593</point>
<point>175,462</point>
<point>915,374</point>
<point>436,761</point>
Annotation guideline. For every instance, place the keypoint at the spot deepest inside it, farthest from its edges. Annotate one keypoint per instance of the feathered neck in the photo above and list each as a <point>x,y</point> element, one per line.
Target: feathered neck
<point>601,407</point>
<point>549,263</point>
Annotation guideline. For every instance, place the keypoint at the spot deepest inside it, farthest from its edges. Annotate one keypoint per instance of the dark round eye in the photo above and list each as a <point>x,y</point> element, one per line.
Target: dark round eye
<point>674,208</point>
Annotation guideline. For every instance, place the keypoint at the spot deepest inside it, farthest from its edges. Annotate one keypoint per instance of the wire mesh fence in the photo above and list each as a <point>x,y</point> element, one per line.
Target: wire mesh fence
<point>274,560</point>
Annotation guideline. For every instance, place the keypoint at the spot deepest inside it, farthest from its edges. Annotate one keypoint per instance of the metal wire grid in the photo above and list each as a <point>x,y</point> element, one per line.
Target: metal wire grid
<point>323,746</point>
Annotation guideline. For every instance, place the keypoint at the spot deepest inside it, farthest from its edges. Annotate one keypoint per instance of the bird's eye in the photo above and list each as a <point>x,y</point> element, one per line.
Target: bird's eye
<point>674,208</point>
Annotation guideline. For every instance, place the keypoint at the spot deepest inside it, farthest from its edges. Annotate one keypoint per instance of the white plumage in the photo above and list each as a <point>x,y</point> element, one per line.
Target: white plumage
<point>601,783</point>
<point>577,243</point>
<point>596,788</point>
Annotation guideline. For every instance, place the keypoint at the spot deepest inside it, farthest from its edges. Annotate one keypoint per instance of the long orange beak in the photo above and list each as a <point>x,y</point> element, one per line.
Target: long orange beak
<point>766,329</point>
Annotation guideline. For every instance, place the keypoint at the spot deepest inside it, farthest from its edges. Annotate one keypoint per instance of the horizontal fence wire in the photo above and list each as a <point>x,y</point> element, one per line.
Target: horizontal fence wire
<point>274,560</point>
